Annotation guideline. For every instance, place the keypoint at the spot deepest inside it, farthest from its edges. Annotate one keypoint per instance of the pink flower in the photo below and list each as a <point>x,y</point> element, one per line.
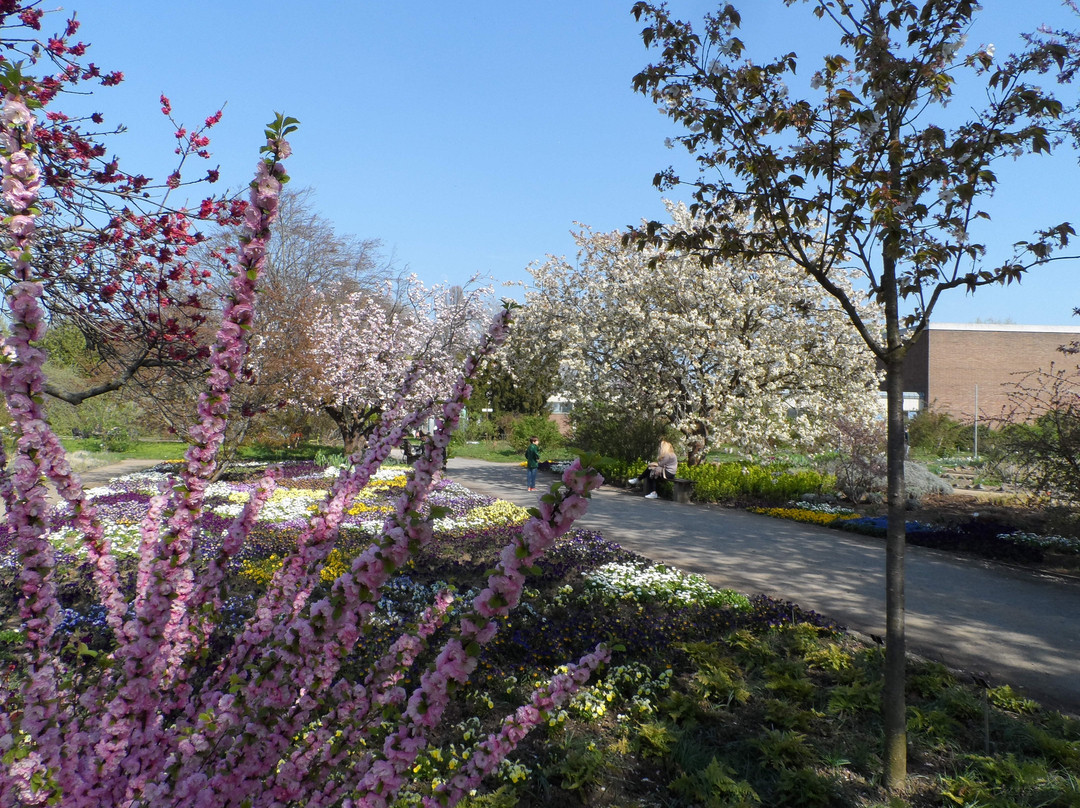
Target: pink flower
<point>15,113</point>
<point>21,166</point>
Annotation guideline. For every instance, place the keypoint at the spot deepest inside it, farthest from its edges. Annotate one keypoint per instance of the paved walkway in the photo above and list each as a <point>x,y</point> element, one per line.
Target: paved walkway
<point>1009,625</point>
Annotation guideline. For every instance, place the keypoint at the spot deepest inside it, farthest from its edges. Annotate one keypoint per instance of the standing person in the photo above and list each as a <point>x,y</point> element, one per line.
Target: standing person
<point>532,461</point>
<point>664,467</point>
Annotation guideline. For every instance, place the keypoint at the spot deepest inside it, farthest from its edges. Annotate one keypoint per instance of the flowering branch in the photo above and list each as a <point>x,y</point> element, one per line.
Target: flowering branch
<point>274,722</point>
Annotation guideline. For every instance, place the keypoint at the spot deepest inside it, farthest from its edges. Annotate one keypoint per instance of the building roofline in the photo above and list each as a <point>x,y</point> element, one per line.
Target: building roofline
<point>1032,329</point>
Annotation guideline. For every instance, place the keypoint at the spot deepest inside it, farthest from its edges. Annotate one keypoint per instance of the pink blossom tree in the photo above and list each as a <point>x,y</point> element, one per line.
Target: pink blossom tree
<point>360,348</point>
<point>273,721</point>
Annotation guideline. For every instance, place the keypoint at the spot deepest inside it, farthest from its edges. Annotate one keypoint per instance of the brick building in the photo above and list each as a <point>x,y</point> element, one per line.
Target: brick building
<point>950,360</point>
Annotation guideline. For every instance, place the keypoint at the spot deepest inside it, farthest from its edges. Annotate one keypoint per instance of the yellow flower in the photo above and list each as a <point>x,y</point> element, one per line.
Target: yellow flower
<point>335,566</point>
<point>261,571</point>
<point>802,515</point>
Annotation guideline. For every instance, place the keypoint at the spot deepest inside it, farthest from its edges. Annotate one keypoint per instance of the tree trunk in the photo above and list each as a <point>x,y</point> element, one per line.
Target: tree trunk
<point>353,436</point>
<point>696,445</point>
<point>894,710</point>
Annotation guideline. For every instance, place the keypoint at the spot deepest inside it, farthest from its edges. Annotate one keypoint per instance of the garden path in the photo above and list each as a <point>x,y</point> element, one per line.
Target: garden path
<point>1007,625</point>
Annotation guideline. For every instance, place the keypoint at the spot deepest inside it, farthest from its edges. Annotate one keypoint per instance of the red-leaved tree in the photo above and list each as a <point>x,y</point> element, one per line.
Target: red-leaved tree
<point>110,245</point>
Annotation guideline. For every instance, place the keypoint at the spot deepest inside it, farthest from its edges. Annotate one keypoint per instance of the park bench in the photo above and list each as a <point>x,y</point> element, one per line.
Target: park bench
<point>681,489</point>
<point>412,451</point>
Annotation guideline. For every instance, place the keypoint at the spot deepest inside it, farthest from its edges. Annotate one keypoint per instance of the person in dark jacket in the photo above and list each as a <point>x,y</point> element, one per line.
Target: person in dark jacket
<point>532,462</point>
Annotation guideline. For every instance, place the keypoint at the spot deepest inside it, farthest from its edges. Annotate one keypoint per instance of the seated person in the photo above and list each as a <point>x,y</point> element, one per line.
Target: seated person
<point>663,468</point>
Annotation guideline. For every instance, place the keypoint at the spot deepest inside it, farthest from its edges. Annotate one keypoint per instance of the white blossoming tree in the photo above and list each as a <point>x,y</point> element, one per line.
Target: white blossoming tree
<point>361,347</point>
<point>753,355</point>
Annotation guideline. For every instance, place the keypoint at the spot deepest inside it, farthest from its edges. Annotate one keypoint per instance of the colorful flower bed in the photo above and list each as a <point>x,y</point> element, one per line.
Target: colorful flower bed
<point>799,513</point>
<point>694,668</point>
<point>984,537</point>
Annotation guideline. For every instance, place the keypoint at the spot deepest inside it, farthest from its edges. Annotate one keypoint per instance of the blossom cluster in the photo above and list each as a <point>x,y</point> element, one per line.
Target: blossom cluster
<point>733,377</point>
<point>273,721</point>
<point>641,582</point>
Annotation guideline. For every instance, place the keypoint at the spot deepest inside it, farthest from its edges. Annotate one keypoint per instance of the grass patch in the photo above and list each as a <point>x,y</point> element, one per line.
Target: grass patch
<point>141,450</point>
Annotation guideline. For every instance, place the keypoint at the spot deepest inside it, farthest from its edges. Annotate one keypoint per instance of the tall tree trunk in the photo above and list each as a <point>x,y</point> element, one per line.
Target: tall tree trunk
<point>894,709</point>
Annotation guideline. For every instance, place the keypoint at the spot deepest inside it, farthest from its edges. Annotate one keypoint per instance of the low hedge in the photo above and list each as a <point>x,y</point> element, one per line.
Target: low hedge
<point>733,482</point>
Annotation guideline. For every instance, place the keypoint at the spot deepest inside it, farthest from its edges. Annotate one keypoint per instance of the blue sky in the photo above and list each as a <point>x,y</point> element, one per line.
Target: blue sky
<point>469,137</point>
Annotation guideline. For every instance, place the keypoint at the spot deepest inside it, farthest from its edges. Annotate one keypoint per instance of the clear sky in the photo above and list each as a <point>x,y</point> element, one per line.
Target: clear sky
<point>470,137</point>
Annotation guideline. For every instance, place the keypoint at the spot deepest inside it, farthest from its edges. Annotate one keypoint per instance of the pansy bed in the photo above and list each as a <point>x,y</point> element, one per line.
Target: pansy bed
<point>982,537</point>
<point>645,607</point>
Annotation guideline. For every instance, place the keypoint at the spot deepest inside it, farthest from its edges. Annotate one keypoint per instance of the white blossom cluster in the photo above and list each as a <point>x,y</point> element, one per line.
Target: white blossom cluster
<point>738,353</point>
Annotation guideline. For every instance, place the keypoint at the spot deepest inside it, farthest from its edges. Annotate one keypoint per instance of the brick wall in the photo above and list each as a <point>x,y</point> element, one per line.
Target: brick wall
<point>951,360</point>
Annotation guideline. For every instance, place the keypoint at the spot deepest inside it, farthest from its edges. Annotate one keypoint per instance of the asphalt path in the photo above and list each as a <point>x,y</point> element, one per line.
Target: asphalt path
<point>1008,625</point>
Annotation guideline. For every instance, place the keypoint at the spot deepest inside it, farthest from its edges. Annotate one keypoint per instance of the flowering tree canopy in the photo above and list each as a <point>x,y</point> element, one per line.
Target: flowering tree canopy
<point>361,347</point>
<point>857,163</point>
<point>164,717</point>
<point>722,353</point>
<point>115,254</point>
<point>304,253</point>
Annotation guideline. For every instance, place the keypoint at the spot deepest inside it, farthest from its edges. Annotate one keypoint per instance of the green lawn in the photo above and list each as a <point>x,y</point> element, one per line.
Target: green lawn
<point>143,450</point>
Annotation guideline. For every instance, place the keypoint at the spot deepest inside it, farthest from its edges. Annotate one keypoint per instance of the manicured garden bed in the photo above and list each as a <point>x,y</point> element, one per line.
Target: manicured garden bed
<point>983,536</point>
<point>711,697</point>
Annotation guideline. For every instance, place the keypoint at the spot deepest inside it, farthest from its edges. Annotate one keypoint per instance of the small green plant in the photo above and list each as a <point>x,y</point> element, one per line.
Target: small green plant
<point>788,678</point>
<point>503,798</point>
<point>929,680</point>
<point>936,726</point>
<point>855,699</point>
<point>805,788</point>
<point>715,786</point>
<point>655,739</point>
<point>750,649</point>
<point>831,657</point>
<point>325,458</point>
<point>722,684</point>
<point>11,641</point>
<point>784,749</point>
<point>1006,698</point>
<point>785,715</point>
<point>582,764</point>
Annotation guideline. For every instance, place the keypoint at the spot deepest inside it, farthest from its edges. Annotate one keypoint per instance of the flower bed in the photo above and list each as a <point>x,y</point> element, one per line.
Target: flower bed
<point>983,537</point>
<point>688,658</point>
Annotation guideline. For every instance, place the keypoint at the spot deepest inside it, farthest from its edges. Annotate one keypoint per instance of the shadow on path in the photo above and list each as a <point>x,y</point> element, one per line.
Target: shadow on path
<point>1009,625</point>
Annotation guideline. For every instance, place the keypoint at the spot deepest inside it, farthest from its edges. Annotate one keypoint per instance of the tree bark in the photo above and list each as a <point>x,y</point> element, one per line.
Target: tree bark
<point>353,430</point>
<point>894,708</point>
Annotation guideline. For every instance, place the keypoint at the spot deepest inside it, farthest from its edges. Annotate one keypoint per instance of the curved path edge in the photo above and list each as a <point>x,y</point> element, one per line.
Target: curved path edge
<point>1007,625</point>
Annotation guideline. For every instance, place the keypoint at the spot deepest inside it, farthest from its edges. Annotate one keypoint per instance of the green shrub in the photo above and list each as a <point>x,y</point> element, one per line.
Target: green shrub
<point>938,433</point>
<point>478,429</point>
<point>728,482</point>
<point>540,425</point>
<point>616,433</point>
<point>120,439</point>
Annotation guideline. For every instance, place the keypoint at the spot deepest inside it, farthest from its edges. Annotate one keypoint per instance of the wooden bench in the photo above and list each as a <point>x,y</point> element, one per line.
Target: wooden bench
<point>681,489</point>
